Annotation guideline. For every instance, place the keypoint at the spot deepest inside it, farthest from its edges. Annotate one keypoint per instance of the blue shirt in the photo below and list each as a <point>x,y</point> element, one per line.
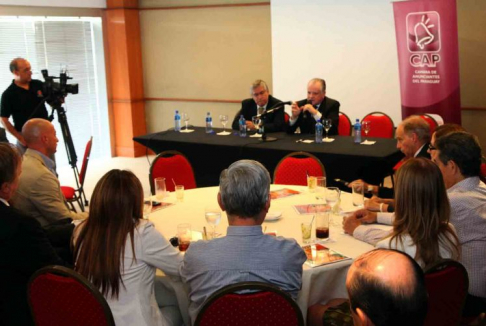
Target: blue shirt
<point>245,254</point>
<point>50,164</point>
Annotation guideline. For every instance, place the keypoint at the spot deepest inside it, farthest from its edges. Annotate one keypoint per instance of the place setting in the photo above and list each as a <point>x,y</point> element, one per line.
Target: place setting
<point>223,118</point>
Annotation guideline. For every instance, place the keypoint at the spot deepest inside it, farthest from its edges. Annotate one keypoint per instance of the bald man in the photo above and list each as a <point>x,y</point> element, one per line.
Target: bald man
<point>39,193</point>
<point>386,287</point>
<point>23,100</point>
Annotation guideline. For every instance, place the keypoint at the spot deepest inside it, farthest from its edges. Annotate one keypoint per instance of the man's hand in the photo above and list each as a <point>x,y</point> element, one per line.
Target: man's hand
<point>250,125</point>
<point>365,216</point>
<point>350,224</point>
<point>365,185</point>
<point>295,110</point>
<point>309,108</point>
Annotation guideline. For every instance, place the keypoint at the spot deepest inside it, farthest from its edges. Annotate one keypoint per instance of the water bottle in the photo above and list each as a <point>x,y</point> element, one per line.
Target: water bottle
<point>177,121</point>
<point>209,123</point>
<point>357,132</point>
<point>319,131</point>
<point>242,123</point>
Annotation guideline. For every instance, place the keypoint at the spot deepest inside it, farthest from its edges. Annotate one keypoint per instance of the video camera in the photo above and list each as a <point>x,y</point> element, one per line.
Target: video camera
<point>56,92</point>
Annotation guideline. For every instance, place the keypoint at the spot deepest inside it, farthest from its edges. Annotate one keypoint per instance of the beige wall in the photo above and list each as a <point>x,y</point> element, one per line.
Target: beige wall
<point>48,11</point>
<point>211,53</point>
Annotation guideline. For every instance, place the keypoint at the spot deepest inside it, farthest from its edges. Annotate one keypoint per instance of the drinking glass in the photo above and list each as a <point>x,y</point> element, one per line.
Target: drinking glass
<point>147,205</point>
<point>306,232</point>
<point>185,117</point>
<point>256,122</point>
<point>213,217</point>
<point>322,225</point>
<point>327,123</point>
<point>311,183</point>
<point>224,119</point>
<point>332,198</point>
<point>179,190</point>
<point>184,233</point>
<point>320,189</point>
<point>366,127</point>
<point>358,194</point>
<point>160,190</point>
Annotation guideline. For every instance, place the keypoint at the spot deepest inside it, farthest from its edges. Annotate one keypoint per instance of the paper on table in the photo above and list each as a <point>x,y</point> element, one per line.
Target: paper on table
<point>187,130</point>
<point>307,141</point>
<point>368,142</point>
<point>327,140</point>
<point>223,133</point>
<point>256,135</point>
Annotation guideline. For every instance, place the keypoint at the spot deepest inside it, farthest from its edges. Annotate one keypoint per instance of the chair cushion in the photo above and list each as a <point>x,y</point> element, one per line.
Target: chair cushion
<point>294,171</point>
<point>176,168</point>
<point>68,192</point>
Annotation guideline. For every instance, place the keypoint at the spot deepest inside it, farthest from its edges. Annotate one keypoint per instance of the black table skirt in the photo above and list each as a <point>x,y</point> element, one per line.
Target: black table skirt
<point>209,154</point>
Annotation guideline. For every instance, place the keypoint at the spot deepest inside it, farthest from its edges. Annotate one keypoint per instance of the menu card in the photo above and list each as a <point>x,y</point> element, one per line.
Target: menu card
<point>318,255</point>
<point>281,193</point>
<point>161,206</point>
<point>311,208</point>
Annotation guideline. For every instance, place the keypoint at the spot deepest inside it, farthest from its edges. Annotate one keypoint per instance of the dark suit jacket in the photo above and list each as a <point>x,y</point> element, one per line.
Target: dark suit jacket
<point>384,192</point>
<point>329,109</point>
<point>273,121</point>
<point>24,248</point>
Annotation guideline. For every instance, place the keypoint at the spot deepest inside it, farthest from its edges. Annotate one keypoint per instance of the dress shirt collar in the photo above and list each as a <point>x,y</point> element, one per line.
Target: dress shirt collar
<point>466,184</point>
<point>417,152</point>
<point>244,230</point>
<point>50,164</point>
<point>4,201</point>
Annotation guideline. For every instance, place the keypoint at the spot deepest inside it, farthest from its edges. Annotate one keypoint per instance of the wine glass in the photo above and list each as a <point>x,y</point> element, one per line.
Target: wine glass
<point>327,125</point>
<point>332,199</point>
<point>147,205</point>
<point>256,122</point>
<point>213,217</point>
<point>366,127</point>
<point>224,119</point>
<point>185,117</point>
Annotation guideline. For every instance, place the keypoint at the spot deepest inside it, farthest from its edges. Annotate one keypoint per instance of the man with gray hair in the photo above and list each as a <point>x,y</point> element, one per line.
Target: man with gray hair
<point>245,253</point>
<point>260,101</point>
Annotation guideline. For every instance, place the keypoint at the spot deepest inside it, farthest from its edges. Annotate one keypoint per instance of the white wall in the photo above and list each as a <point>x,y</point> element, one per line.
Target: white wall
<point>351,44</point>
<point>56,3</point>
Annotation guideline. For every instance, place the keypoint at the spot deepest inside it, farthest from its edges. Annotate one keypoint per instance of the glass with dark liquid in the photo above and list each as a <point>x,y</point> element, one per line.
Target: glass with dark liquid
<point>184,233</point>
<point>322,225</point>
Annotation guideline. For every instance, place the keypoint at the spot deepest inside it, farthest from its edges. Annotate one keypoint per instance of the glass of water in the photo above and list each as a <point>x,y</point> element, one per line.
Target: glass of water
<point>327,125</point>
<point>224,119</point>
<point>366,127</point>
<point>213,217</point>
<point>147,205</point>
<point>185,117</point>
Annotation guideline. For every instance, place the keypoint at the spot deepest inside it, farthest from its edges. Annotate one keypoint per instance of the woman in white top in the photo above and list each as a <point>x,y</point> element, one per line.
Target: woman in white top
<point>118,251</point>
<point>421,226</point>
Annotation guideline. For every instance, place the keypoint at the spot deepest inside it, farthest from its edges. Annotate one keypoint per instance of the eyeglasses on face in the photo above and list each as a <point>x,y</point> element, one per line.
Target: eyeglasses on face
<point>432,148</point>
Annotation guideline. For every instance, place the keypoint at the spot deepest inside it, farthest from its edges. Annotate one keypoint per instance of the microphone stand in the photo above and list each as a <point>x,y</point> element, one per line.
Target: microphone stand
<point>263,117</point>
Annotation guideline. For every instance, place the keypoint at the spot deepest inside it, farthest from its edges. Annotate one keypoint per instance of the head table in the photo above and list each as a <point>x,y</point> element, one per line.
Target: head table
<point>319,284</point>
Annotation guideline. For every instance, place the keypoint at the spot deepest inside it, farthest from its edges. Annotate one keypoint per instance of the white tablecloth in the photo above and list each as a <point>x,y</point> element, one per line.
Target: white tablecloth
<point>319,284</point>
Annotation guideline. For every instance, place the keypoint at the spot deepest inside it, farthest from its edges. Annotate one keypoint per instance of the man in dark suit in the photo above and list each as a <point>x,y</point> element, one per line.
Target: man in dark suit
<point>24,247</point>
<point>316,107</point>
<point>260,102</point>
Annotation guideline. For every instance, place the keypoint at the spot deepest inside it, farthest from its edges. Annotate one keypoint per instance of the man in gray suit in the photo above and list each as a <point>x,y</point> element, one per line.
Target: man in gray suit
<point>39,193</point>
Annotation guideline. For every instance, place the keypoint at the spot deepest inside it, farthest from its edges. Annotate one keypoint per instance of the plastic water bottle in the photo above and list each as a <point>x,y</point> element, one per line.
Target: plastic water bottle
<point>242,123</point>
<point>357,132</point>
<point>319,131</point>
<point>209,123</point>
<point>177,121</point>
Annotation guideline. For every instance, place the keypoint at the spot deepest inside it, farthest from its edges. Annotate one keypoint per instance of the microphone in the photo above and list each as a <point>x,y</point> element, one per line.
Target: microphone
<point>274,108</point>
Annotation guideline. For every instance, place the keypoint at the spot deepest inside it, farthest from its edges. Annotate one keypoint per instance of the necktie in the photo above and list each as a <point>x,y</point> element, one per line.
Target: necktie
<point>260,110</point>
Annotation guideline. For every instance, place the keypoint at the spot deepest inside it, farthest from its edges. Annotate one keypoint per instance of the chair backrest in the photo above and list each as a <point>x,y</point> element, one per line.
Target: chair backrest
<point>381,125</point>
<point>482,173</point>
<point>431,121</point>
<point>84,166</point>
<point>269,306</point>
<point>294,168</point>
<point>172,165</point>
<point>60,296</point>
<point>345,127</point>
<point>447,284</point>
<point>286,117</point>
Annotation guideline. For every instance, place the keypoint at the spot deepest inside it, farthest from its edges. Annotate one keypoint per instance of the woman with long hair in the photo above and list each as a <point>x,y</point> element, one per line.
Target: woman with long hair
<point>421,225</point>
<point>118,251</point>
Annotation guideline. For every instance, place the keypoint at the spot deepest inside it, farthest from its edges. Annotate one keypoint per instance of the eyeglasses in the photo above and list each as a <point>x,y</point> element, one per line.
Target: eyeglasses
<point>432,148</point>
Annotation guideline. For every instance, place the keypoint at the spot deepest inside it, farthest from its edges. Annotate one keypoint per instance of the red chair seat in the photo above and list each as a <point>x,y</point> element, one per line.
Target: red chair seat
<point>68,192</point>
<point>293,170</point>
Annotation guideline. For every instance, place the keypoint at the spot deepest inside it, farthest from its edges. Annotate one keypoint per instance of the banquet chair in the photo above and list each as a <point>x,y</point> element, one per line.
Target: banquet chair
<point>431,121</point>
<point>172,165</point>
<point>345,126</point>
<point>268,306</point>
<point>381,125</point>
<point>286,117</point>
<point>78,195</point>
<point>294,168</point>
<point>59,296</point>
<point>482,172</point>
<point>447,284</point>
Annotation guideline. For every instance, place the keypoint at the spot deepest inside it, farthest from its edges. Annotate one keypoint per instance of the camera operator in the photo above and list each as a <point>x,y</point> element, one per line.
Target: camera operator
<point>23,100</point>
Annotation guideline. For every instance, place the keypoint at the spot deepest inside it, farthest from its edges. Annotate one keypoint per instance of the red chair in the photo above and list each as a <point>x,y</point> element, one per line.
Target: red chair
<point>345,126</point>
<point>77,195</point>
<point>294,168</point>
<point>286,117</point>
<point>447,284</point>
<point>267,307</point>
<point>482,173</point>
<point>172,165</point>
<point>381,125</point>
<point>59,296</point>
<point>431,121</point>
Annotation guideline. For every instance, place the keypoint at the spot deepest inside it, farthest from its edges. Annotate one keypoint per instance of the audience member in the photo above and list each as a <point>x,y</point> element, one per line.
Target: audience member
<point>260,102</point>
<point>118,251</point>
<point>39,194</point>
<point>24,247</point>
<point>458,156</point>
<point>23,100</point>
<point>245,253</point>
<point>317,106</point>
<point>386,287</point>
<point>413,136</point>
<point>421,225</point>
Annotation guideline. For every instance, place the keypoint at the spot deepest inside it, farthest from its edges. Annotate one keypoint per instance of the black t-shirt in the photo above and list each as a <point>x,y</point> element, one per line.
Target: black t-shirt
<point>23,104</point>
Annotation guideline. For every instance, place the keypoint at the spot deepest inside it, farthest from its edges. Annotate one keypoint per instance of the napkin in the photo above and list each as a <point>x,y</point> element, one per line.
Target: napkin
<point>187,130</point>
<point>327,140</point>
<point>368,142</point>
<point>223,133</point>
<point>257,135</point>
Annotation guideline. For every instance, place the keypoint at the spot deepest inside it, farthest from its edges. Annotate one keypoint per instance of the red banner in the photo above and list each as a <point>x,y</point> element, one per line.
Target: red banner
<point>428,58</point>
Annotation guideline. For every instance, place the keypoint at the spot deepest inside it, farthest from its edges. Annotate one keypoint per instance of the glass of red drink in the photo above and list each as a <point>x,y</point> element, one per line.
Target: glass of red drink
<point>322,225</point>
<point>184,233</point>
